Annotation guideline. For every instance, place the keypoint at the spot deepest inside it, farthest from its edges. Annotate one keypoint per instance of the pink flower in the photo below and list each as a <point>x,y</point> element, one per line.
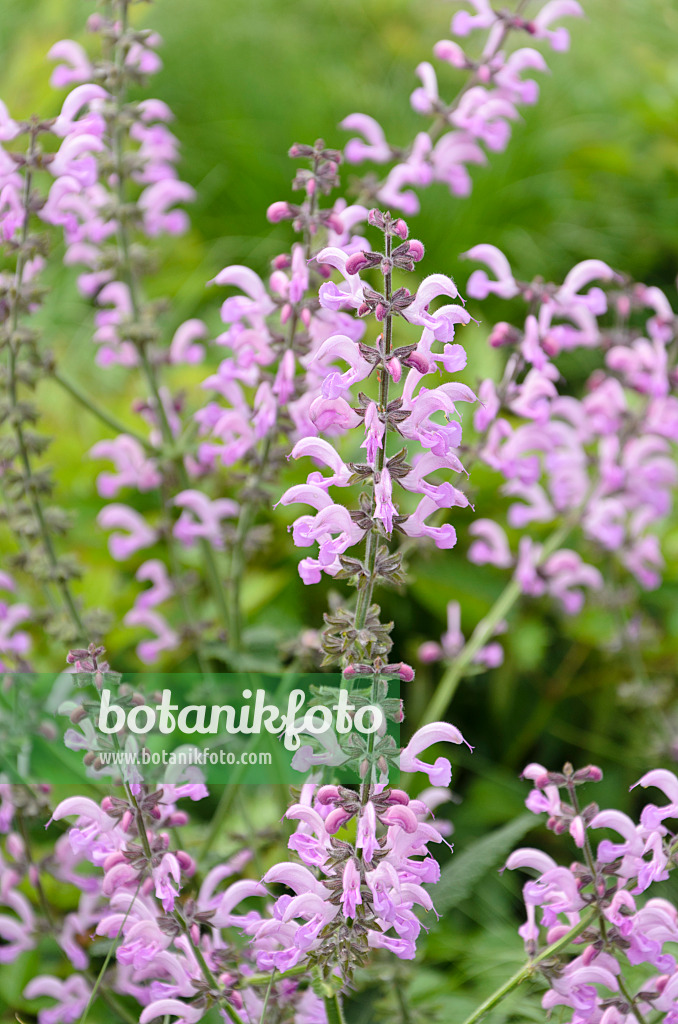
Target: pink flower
<point>76,66</point>
<point>133,467</point>
<point>480,285</point>
<point>183,348</point>
<point>439,773</point>
<point>559,38</point>
<point>138,534</point>
<point>201,518</point>
<point>492,546</point>
<point>375,147</point>
<point>384,507</point>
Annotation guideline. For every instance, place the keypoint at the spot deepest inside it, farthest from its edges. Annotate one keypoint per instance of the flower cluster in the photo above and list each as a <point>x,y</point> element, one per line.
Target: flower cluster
<point>335,528</point>
<point>479,116</point>
<point>603,462</point>
<point>598,900</point>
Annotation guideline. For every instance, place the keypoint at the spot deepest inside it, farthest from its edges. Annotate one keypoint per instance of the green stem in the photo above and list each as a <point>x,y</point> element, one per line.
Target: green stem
<point>238,561</point>
<point>333,1010</point>
<point>97,986</point>
<point>263,979</point>
<point>483,632</point>
<point>528,970</point>
<point>101,414</point>
<point>262,1017</point>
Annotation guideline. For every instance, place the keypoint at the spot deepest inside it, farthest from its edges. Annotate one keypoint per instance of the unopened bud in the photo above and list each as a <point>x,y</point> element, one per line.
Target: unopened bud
<point>416,250</point>
<point>279,211</point>
<point>395,369</point>
<point>356,262</point>
<point>327,795</point>
<point>503,334</point>
<point>401,229</point>
<point>418,362</point>
<point>177,819</point>
<point>186,863</point>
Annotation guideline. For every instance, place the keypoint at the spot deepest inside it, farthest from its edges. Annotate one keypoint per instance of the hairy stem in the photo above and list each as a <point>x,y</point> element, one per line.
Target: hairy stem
<point>129,279</point>
<point>372,544</point>
<point>31,491</point>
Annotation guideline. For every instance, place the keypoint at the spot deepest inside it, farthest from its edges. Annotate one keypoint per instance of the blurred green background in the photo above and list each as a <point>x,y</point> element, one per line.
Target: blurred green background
<point>592,171</point>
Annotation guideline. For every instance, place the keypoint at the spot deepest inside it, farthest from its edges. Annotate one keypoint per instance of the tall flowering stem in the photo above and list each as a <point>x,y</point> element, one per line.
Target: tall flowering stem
<point>25,482</point>
<point>372,544</point>
<point>120,53</point>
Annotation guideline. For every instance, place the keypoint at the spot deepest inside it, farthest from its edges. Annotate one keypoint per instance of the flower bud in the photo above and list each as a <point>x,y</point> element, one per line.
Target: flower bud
<point>327,795</point>
<point>401,229</point>
<point>356,262</point>
<point>279,211</point>
<point>15,846</point>
<point>186,862</point>
<point>336,818</point>
<point>395,369</point>
<point>418,362</point>
<point>503,334</point>
<point>281,262</point>
<point>177,819</point>
<point>335,223</point>
<point>416,250</point>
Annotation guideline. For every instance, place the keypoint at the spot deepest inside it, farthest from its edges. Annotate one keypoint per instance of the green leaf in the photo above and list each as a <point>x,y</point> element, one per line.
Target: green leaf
<point>466,869</point>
